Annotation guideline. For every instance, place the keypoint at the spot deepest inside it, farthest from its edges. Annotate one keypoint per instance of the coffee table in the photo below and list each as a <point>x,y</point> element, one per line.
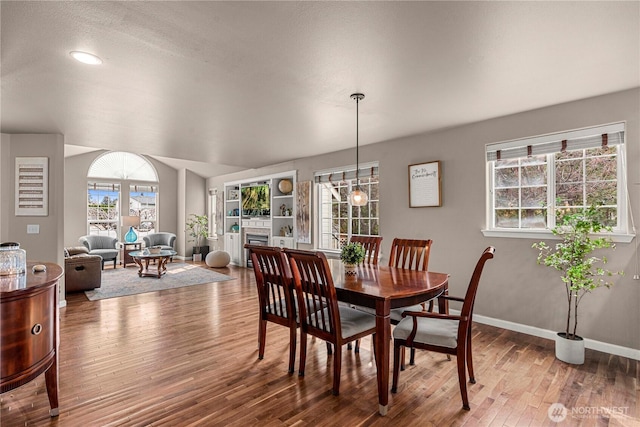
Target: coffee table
<point>142,258</point>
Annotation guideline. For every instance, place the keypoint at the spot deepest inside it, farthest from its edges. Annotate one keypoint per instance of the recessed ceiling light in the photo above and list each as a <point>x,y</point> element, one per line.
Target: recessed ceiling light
<point>85,58</point>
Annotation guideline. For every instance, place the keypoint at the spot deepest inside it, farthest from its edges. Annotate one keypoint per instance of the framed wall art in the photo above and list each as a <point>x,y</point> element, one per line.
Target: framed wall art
<point>303,211</point>
<point>425,185</point>
<point>32,186</point>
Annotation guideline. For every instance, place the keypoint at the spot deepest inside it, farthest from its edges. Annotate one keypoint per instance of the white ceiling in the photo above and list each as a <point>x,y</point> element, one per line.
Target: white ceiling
<point>223,86</point>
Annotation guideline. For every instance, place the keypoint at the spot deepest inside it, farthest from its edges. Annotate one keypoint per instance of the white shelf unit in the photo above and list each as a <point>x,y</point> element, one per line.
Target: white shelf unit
<point>279,224</point>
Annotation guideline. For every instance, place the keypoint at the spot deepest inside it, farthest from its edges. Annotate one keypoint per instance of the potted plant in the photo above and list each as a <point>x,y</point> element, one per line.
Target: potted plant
<point>351,255</point>
<point>198,229</point>
<point>579,270</point>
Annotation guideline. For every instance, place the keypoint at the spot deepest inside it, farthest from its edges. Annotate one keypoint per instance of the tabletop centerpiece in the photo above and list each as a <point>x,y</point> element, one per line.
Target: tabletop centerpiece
<point>351,255</point>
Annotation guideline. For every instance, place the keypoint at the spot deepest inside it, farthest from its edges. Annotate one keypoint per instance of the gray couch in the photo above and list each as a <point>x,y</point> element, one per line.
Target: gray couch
<point>104,246</point>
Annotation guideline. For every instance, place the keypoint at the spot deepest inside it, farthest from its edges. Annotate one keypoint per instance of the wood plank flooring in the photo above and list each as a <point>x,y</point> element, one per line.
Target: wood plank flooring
<point>188,357</point>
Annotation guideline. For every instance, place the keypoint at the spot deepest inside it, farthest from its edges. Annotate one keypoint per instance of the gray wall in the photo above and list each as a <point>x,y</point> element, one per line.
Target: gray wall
<point>47,245</point>
<point>514,288</point>
<point>194,201</point>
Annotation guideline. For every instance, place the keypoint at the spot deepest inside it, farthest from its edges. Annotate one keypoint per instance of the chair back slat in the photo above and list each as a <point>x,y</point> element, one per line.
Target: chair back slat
<point>274,282</point>
<point>410,254</point>
<point>371,245</point>
<point>317,300</point>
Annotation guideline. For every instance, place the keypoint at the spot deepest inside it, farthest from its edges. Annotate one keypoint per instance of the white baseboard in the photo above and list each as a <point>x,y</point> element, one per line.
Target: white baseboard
<point>551,335</point>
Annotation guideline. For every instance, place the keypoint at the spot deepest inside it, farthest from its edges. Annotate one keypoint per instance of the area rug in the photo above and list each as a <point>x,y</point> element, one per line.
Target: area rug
<point>125,281</point>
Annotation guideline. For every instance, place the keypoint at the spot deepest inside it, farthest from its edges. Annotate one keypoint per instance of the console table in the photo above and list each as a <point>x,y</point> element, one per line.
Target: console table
<point>29,330</point>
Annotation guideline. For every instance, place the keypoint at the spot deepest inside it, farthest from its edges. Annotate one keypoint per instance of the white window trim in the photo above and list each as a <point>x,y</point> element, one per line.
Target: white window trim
<point>621,235</point>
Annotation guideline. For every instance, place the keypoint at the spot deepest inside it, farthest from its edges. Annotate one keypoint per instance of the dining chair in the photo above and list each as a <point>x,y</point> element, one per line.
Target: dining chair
<point>371,245</point>
<point>335,324</point>
<point>442,333</point>
<point>409,254</point>
<point>275,295</point>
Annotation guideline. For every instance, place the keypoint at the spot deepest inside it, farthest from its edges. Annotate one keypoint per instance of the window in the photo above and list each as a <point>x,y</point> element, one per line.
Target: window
<point>338,221</point>
<point>534,181</point>
<point>142,203</point>
<point>103,209</point>
<point>214,215</point>
<point>107,175</point>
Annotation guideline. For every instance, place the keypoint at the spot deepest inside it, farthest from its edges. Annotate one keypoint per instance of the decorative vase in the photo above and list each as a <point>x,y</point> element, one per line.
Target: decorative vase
<point>570,351</point>
<point>131,236</point>
<point>350,270</point>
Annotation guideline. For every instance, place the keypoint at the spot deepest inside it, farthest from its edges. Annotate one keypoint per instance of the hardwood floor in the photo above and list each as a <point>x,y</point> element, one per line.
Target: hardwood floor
<point>188,356</point>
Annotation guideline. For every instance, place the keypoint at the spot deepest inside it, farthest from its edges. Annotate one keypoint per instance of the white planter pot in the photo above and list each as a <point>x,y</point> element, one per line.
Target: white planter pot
<point>197,257</point>
<point>570,351</point>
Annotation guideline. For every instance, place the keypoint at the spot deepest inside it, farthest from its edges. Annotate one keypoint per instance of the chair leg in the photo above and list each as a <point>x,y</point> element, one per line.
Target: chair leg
<point>329,349</point>
<point>337,365</point>
<point>472,377</point>
<point>349,346</point>
<point>402,352</point>
<point>396,367</point>
<point>262,336</point>
<point>462,378</point>
<point>292,348</point>
<point>303,353</point>
<point>357,349</point>
<point>412,358</point>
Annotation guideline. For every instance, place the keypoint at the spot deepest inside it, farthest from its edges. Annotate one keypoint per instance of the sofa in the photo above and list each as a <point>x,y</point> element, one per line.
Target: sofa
<point>104,246</point>
<point>82,271</point>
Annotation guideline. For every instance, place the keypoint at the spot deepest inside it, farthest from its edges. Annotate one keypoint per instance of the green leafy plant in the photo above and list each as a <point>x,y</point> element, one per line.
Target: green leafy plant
<point>198,228</point>
<point>352,253</point>
<point>573,257</point>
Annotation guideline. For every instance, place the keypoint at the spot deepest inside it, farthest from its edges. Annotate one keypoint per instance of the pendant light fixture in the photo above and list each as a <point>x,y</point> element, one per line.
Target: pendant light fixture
<point>357,196</point>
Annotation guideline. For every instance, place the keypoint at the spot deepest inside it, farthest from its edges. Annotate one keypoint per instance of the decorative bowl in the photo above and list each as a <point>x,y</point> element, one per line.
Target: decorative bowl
<point>155,249</point>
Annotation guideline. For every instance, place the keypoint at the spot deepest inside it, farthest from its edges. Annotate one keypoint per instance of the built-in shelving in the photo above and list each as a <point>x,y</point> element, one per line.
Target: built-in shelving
<point>279,225</point>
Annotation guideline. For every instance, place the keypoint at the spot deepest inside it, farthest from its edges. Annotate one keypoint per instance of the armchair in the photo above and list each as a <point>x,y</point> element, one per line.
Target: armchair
<point>82,271</point>
<point>104,246</point>
<point>162,239</point>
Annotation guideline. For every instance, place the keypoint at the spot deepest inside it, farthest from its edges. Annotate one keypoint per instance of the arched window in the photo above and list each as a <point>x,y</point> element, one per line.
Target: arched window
<point>117,180</point>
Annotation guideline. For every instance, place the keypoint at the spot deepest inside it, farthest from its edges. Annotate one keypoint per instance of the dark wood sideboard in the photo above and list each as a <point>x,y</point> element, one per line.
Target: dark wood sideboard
<point>29,330</point>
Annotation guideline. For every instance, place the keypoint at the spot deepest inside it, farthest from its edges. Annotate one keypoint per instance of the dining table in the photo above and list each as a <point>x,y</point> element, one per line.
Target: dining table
<point>383,288</point>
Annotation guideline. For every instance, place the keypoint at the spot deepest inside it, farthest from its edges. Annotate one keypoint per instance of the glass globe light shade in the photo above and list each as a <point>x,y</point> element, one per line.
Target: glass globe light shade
<point>358,197</point>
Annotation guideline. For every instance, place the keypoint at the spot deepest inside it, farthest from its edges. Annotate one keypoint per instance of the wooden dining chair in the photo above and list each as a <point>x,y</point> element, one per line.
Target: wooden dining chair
<point>442,333</point>
<point>336,324</point>
<point>275,295</point>
<point>409,254</point>
<point>371,245</point>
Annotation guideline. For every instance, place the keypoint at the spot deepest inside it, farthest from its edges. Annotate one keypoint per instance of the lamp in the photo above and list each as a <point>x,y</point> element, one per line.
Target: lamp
<point>357,196</point>
<point>130,221</point>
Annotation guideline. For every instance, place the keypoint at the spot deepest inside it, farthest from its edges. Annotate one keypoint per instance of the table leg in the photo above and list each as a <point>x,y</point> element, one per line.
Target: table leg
<point>138,261</point>
<point>161,266</point>
<point>382,348</point>
<point>51,381</point>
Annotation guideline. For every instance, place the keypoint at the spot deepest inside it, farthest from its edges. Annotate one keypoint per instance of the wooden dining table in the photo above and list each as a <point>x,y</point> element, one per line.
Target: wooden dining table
<point>383,288</point>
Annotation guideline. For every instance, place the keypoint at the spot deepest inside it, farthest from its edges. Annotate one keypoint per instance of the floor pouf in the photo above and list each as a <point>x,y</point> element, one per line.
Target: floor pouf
<point>217,259</point>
